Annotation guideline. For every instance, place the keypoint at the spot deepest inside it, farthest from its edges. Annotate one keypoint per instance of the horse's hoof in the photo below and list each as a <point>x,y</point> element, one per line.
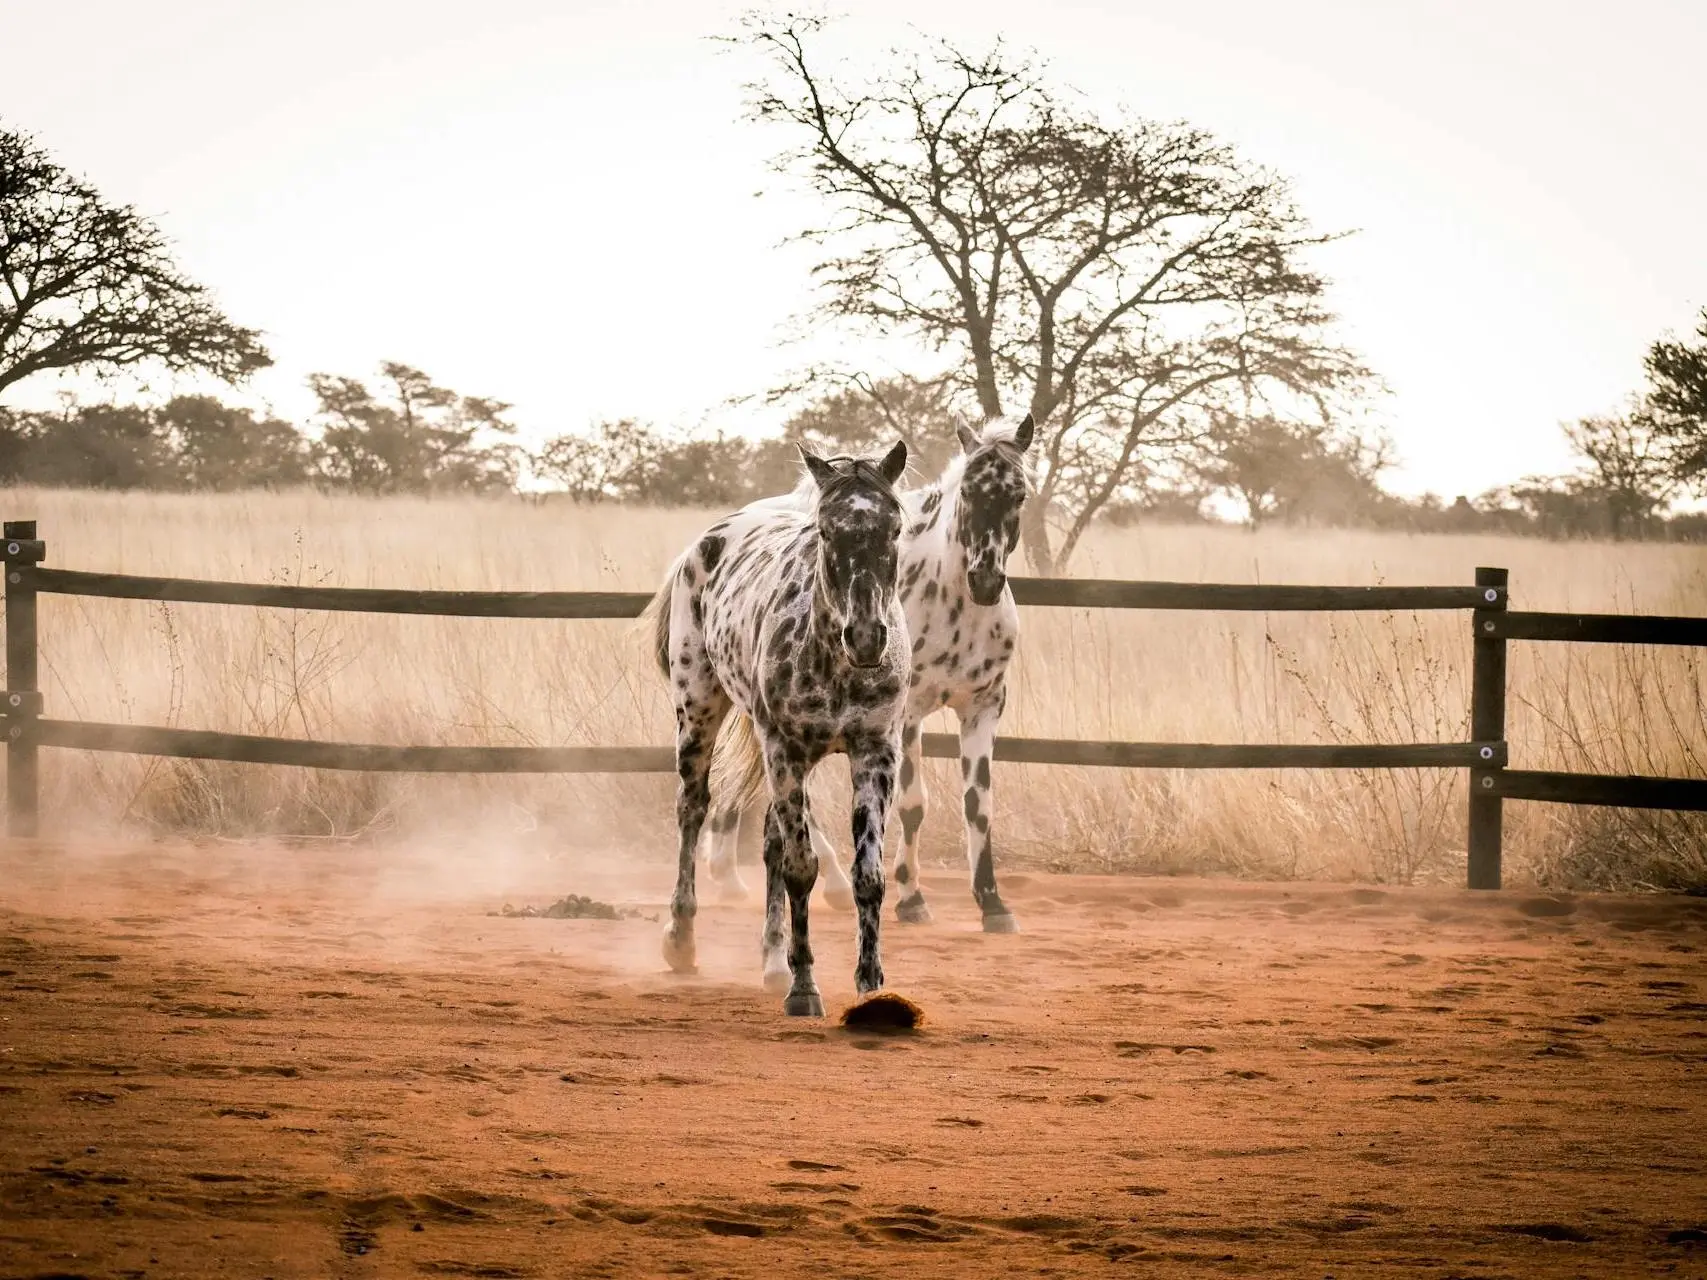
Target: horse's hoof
<point>1001,922</point>
<point>778,980</point>
<point>839,897</point>
<point>680,955</point>
<point>803,1004</point>
<point>913,910</point>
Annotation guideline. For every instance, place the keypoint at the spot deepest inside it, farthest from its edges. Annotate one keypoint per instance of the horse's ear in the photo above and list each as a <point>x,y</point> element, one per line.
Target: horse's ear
<point>1024,432</point>
<point>894,462</point>
<point>963,433</point>
<point>821,471</point>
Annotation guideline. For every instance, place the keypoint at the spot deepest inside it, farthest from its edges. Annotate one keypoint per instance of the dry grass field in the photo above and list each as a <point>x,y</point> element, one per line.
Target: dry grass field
<point>1137,675</point>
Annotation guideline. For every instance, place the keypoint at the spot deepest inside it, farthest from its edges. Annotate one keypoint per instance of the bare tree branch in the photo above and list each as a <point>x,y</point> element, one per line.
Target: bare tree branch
<point>87,285</point>
<point>1102,269</point>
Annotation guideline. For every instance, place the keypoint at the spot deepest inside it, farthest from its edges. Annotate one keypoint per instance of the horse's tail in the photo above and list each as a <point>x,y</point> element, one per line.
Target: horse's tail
<point>738,766</point>
<point>657,614</point>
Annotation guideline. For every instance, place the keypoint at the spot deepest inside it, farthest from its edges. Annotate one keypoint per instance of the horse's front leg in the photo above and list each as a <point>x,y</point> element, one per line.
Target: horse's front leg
<point>872,766</point>
<point>697,721</point>
<point>838,893</point>
<point>977,745</point>
<point>789,857</point>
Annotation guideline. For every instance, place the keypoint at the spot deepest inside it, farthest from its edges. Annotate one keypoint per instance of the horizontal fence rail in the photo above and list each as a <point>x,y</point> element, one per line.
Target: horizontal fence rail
<point>1494,624</point>
<point>1102,593</point>
<point>1199,755</point>
<point>1630,791</point>
<point>244,748</point>
<point>1600,628</point>
<point>444,604</point>
<point>1067,593</point>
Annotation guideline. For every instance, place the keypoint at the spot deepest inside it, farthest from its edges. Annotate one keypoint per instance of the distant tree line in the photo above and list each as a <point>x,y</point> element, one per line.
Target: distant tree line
<point>404,434</point>
<point>408,436</point>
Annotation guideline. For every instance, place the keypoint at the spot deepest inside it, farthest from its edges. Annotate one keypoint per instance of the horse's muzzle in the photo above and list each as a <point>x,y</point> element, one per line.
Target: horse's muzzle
<point>867,645</point>
<point>986,588</point>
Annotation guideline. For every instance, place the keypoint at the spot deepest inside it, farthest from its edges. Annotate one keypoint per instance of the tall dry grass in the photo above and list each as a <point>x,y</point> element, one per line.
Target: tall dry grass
<point>1153,676</point>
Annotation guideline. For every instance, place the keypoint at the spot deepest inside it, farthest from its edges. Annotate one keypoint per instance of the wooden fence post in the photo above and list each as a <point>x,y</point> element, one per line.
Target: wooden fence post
<point>1487,724</point>
<point>23,695</point>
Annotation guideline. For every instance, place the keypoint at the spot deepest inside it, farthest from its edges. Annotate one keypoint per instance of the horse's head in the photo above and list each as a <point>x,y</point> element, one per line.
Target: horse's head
<point>993,489</point>
<point>859,533</point>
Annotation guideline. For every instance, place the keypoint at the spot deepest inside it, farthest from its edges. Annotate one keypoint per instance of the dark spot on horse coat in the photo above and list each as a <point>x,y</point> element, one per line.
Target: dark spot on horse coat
<point>912,818</point>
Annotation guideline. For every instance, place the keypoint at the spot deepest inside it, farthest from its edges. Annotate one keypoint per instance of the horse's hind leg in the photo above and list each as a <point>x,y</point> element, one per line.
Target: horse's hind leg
<point>838,891</point>
<point>723,841</point>
<point>774,947</point>
<point>697,722</point>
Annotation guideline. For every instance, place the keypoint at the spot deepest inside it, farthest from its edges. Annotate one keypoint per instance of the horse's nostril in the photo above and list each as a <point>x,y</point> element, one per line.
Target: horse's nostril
<point>882,636</point>
<point>848,636</point>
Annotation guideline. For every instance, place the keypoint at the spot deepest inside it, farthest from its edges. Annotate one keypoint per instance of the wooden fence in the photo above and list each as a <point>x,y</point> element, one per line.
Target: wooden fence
<point>1493,626</point>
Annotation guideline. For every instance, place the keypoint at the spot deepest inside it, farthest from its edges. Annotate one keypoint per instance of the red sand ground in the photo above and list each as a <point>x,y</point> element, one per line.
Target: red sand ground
<point>231,1061</point>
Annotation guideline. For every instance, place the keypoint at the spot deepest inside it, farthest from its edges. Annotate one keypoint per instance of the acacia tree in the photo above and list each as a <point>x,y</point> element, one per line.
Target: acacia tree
<point>602,466</point>
<point>1625,475</point>
<point>861,414</point>
<point>100,446</point>
<point>1121,278</point>
<point>224,447</point>
<point>629,461</point>
<point>1677,403</point>
<point>85,284</point>
<point>422,438</point>
<point>1288,470</point>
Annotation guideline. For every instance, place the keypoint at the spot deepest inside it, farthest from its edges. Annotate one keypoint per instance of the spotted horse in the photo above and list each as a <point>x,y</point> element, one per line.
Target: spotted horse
<point>789,613</point>
<point>964,627</point>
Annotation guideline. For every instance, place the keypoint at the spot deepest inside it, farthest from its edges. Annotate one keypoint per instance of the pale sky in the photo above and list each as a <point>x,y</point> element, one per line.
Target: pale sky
<point>556,204</point>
